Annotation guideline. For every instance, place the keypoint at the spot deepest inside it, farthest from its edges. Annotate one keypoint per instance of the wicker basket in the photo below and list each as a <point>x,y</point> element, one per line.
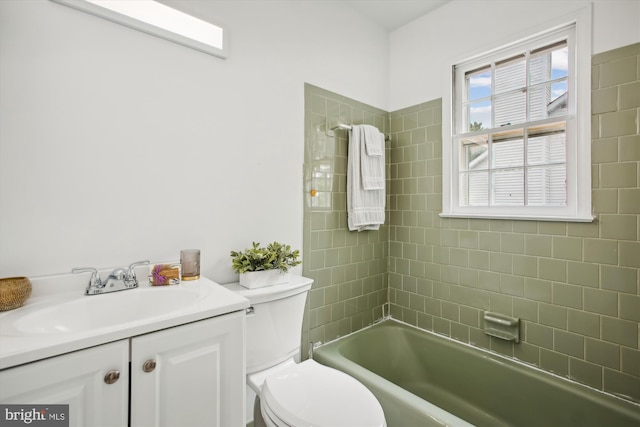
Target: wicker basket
<point>14,291</point>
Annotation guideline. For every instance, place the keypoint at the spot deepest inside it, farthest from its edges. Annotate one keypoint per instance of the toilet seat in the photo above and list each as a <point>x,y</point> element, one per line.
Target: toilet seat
<point>310,394</point>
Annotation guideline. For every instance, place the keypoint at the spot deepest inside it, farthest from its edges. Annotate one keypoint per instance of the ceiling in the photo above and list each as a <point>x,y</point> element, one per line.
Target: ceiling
<point>392,14</point>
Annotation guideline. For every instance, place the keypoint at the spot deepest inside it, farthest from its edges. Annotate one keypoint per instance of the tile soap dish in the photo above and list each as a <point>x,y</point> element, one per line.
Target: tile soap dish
<point>501,326</point>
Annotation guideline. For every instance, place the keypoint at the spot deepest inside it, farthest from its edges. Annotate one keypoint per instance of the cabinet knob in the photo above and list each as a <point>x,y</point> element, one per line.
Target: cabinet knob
<point>112,376</point>
<point>149,365</point>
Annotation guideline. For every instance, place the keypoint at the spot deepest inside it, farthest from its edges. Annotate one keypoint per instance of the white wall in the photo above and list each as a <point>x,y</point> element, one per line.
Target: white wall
<point>420,49</point>
<point>116,146</point>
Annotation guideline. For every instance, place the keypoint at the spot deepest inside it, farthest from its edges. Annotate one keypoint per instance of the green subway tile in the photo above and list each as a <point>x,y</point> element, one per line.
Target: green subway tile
<point>525,266</point>
<point>527,353</point>
<point>604,150</point>
<point>629,148</point>
<point>616,54</point>
<point>568,343</point>
<point>620,279</point>
<point>583,229</point>
<point>604,100</point>
<point>468,239</point>
<point>554,362</point>
<point>602,353</point>
<point>567,248</point>
<point>618,175</point>
<point>567,295</point>
<point>501,304</point>
<point>557,228</point>
<point>469,277</point>
<point>552,269</point>
<point>552,315</point>
<point>583,323</point>
<point>479,259</point>
<point>539,245</point>
<point>630,307</point>
<point>584,273</point>
<point>480,224</point>
<point>539,335</point>
<point>585,373</point>
<point>489,281</point>
<point>618,72</point>
<point>525,227</point>
<point>621,384</point>
<point>501,225</point>
<point>459,332</point>
<point>450,238</point>
<point>502,263</point>
<point>601,251</point>
<point>512,285</point>
<point>622,227</point>
<point>629,95</point>
<point>601,302</point>
<point>470,316</point>
<point>512,243</point>
<point>631,361</point>
<point>489,241</point>
<point>525,309</point>
<point>623,332</point>
<point>538,290</point>
<point>605,200</point>
<point>629,201</point>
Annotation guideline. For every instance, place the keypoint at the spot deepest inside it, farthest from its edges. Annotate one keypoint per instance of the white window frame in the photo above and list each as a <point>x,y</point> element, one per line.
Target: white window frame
<point>578,157</point>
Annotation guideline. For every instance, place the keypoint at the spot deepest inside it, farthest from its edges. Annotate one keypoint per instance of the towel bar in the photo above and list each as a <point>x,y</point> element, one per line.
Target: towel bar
<point>344,126</point>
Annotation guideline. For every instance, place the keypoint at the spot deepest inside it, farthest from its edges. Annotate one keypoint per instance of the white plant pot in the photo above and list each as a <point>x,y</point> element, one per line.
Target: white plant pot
<point>260,279</point>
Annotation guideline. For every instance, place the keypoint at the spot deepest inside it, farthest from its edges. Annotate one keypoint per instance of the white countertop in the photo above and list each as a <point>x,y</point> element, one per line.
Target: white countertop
<point>209,299</point>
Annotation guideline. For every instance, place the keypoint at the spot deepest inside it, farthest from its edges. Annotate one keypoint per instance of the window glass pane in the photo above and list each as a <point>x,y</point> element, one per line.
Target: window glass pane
<point>474,189</point>
<point>549,64</point>
<point>510,108</point>
<point>507,187</point>
<point>548,100</point>
<point>479,84</point>
<point>547,144</point>
<point>478,116</point>
<point>474,153</point>
<point>511,74</point>
<point>546,185</point>
<point>507,149</point>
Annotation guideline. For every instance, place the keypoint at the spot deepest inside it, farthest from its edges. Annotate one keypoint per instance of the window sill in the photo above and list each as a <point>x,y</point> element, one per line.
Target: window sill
<point>589,218</point>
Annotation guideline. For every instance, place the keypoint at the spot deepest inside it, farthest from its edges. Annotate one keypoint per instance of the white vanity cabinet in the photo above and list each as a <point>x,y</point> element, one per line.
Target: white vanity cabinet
<point>76,379</point>
<point>187,375</point>
<point>191,375</point>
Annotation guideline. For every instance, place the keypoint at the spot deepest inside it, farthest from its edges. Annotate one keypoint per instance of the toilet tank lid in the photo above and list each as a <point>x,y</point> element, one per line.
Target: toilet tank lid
<point>296,285</point>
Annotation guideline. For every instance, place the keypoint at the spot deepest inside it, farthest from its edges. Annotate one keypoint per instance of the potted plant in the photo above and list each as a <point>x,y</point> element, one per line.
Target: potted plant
<point>264,266</point>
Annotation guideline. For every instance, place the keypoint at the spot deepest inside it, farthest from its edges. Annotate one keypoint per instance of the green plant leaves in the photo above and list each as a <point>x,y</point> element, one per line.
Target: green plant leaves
<point>276,256</point>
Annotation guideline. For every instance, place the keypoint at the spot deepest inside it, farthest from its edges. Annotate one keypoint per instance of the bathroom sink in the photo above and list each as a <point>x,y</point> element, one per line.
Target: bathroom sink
<point>59,318</point>
<point>89,313</point>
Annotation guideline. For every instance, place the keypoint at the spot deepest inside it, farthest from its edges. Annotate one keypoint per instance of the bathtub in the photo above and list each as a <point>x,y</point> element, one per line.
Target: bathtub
<point>422,379</point>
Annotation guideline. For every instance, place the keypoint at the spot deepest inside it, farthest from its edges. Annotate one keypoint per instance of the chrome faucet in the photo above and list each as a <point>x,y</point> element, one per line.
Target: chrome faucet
<point>119,279</point>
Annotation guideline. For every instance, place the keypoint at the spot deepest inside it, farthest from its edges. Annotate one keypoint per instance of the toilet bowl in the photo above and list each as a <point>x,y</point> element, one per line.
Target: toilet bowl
<point>311,394</point>
<point>284,393</point>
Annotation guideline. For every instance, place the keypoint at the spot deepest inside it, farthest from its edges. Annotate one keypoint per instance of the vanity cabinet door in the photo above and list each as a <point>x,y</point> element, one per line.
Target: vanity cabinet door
<point>190,375</point>
<point>78,379</point>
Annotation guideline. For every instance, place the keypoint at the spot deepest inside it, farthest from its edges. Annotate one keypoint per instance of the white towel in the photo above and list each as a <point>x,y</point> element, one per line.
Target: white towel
<point>365,208</point>
<point>372,158</point>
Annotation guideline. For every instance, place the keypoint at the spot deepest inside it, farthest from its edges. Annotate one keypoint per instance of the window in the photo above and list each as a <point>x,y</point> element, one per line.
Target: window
<point>155,18</point>
<point>516,131</point>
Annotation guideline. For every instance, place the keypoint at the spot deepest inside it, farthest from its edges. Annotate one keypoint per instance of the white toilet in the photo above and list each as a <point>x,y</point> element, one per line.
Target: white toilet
<point>291,394</point>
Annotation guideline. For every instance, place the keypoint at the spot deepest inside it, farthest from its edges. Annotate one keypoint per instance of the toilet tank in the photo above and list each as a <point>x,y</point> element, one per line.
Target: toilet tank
<point>274,323</point>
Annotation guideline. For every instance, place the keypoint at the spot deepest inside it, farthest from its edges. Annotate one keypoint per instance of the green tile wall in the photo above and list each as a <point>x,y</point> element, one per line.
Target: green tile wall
<point>575,286</point>
<point>349,268</point>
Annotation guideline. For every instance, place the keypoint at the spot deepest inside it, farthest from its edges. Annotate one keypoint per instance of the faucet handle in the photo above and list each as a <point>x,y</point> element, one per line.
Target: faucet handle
<point>95,277</point>
<point>131,271</point>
